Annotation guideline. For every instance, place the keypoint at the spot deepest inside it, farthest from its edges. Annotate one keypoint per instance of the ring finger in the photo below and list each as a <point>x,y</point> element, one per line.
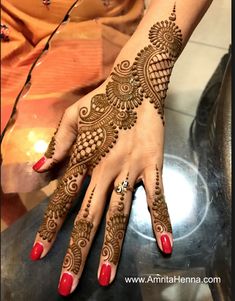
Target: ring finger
<point>116,222</point>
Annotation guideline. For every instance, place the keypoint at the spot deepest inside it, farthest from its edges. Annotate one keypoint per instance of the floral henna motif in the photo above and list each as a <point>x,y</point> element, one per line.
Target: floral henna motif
<point>161,217</point>
<point>116,226</point>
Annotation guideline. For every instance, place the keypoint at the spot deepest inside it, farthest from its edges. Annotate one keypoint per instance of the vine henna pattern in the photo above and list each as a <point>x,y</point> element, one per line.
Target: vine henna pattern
<point>113,111</point>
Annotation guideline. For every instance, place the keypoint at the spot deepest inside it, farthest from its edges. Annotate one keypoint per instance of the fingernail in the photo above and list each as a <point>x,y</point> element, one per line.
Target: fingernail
<point>105,273</point>
<point>166,244</point>
<point>36,251</point>
<point>65,285</point>
<point>39,164</point>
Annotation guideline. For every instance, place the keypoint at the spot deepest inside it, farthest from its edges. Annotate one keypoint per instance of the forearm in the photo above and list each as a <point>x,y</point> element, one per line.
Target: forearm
<point>188,14</point>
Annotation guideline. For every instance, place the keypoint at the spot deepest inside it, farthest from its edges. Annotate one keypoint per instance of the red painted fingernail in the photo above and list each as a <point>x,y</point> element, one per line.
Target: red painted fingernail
<point>39,164</point>
<point>166,244</point>
<point>65,285</point>
<point>36,251</point>
<point>105,274</point>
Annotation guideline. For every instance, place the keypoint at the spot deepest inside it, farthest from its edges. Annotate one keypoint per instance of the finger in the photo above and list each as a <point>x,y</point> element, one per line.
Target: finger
<point>116,222</point>
<point>58,207</point>
<point>60,143</point>
<point>85,226</point>
<point>158,208</point>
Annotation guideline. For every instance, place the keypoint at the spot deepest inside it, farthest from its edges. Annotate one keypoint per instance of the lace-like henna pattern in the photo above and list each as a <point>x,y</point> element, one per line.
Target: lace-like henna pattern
<point>80,236</point>
<point>161,217</point>
<point>116,226</point>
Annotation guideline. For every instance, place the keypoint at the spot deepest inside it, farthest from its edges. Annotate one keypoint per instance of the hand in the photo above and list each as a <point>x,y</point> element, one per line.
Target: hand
<point>118,131</point>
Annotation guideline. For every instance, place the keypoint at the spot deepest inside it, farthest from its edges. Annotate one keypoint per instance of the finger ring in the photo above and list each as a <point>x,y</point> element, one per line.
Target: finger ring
<point>123,187</point>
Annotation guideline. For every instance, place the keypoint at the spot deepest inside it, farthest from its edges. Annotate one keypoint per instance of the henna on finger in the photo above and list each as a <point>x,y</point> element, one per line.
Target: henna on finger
<point>79,238</point>
<point>116,226</point>
<point>58,207</point>
<point>52,145</point>
<point>161,219</point>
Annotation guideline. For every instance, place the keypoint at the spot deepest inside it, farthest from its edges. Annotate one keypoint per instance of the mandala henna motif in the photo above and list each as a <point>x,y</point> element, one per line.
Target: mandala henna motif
<point>161,217</point>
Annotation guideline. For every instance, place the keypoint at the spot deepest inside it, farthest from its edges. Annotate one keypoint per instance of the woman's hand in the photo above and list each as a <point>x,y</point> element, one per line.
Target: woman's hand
<point>117,136</point>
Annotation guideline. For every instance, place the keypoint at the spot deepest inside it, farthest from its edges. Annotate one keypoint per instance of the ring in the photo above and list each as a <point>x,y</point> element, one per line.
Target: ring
<point>123,187</point>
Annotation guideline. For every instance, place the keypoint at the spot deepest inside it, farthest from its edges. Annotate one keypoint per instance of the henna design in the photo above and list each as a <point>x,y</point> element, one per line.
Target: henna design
<point>115,110</point>
<point>161,217</point>
<point>80,236</point>
<point>123,91</point>
<point>51,148</point>
<point>116,226</point>
<point>48,229</point>
<point>59,205</point>
<point>115,232</point>
<point>88,204</point>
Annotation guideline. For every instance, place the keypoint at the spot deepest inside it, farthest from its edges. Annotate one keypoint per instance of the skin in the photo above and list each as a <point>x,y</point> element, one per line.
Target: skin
<point>144,126</point>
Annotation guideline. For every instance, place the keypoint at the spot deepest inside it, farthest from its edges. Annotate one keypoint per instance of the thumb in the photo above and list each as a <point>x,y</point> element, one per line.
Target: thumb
<point>60,143</point>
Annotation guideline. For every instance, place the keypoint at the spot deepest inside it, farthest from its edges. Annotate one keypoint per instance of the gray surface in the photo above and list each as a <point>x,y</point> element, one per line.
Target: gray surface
<point>197,230</point>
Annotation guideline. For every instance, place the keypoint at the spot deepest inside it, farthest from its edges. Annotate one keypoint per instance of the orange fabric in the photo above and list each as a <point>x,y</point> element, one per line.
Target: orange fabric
<point>80,56</point>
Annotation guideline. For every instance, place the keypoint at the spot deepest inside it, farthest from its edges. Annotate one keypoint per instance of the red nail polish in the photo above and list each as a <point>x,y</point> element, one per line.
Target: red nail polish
<point>36,251</point>
<point>166,244</point>
<point>105,273</point>
<point>39,164</point>
<point>65,285</point>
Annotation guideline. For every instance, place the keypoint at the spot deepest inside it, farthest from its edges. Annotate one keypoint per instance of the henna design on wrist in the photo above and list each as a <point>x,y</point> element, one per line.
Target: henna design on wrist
<point>161,217</point>
<point>80,236</point>
<point>116,226</point>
